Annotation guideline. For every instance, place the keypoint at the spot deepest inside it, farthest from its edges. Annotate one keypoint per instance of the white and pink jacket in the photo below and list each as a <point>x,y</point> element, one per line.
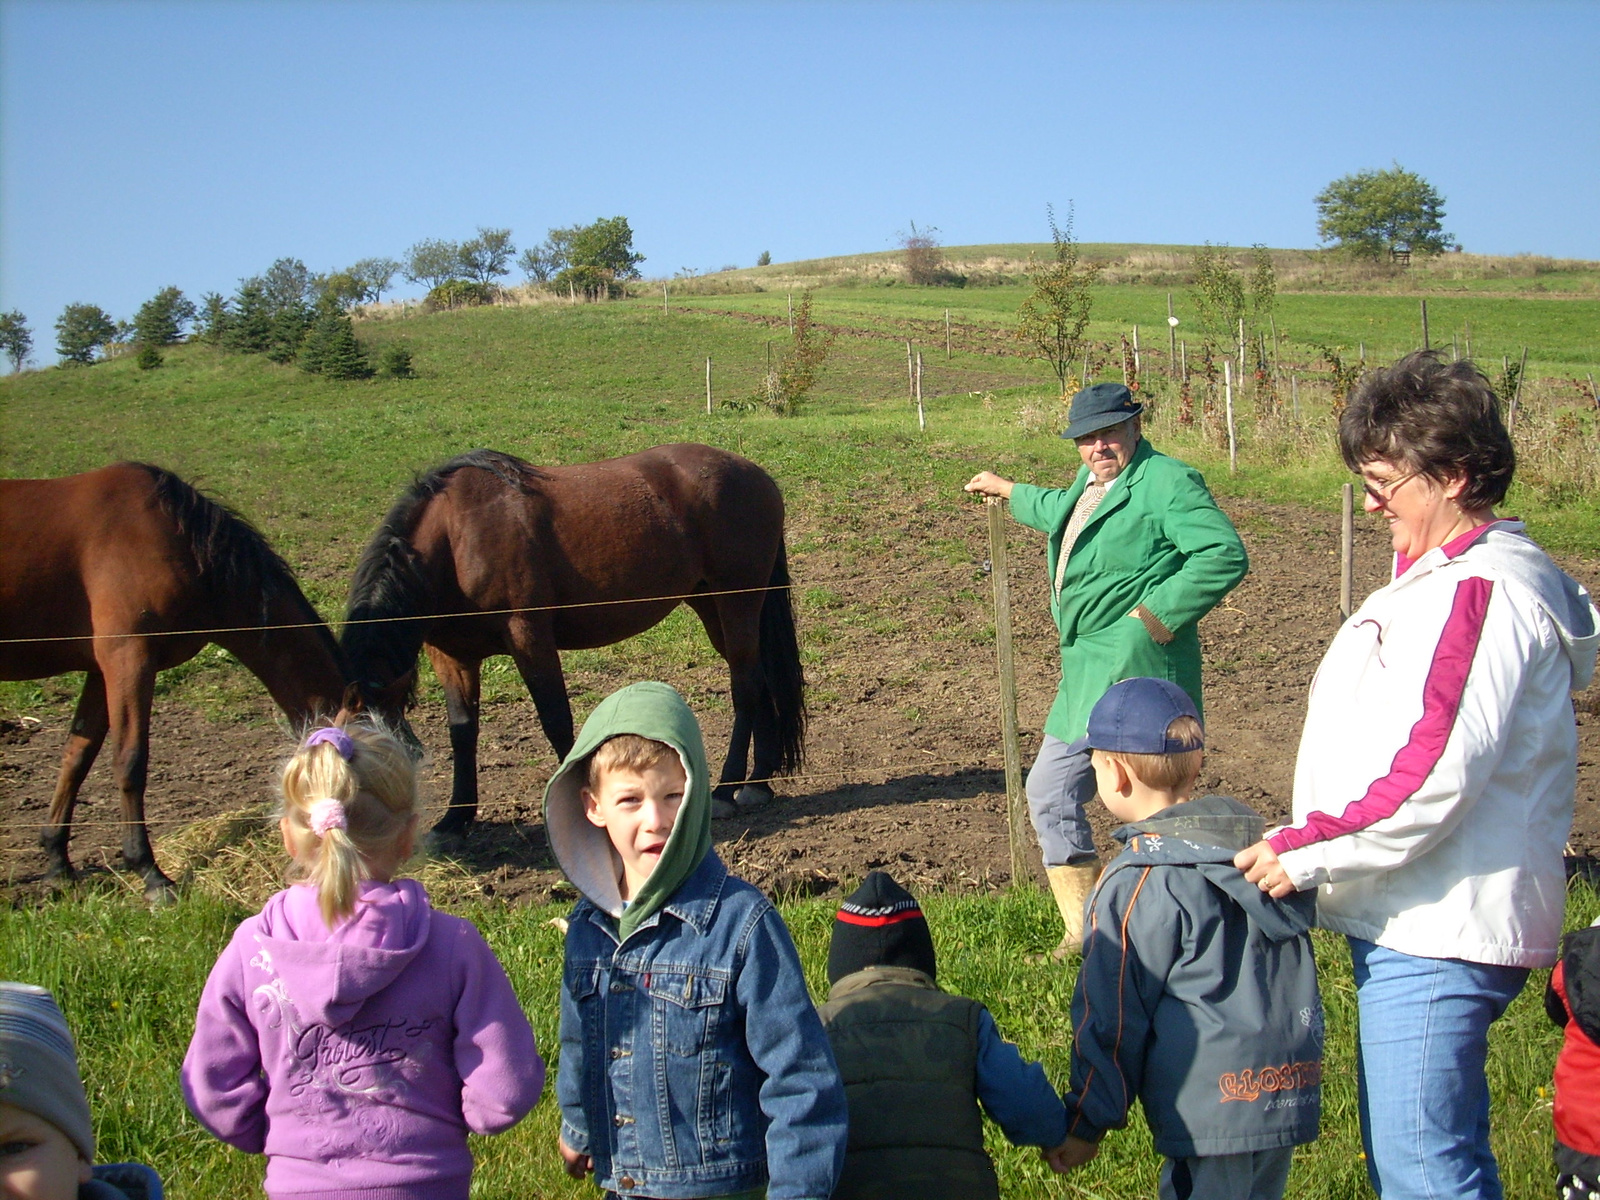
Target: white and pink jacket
<point>1433,792</point>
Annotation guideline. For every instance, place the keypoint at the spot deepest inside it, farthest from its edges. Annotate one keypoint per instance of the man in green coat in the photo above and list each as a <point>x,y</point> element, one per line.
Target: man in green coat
<point>1138,553</point>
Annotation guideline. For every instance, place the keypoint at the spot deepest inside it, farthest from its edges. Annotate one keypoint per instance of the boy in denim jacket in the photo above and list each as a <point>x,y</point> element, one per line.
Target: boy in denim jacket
<point>692,1061</point>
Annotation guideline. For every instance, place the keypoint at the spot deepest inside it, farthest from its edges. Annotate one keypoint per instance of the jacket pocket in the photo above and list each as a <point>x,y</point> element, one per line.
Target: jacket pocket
<point>683,1009</point>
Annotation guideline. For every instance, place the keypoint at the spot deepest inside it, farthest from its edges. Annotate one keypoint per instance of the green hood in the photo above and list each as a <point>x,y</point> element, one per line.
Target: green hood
<point>649,710</point>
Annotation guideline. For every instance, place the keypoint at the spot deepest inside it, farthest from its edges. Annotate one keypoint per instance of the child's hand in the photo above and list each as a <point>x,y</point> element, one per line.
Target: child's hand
<point>1073,1152</point>
<point>578,1165</point>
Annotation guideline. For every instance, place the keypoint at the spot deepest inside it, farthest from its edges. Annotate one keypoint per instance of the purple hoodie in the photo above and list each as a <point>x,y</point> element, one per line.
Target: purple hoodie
<point>359,1058</point>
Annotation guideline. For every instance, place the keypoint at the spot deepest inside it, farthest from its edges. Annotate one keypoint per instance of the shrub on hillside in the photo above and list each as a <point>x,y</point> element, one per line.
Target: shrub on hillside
<point>592,283</point>
<point>396,363</point>
<point>148,358</point>
<point>460,293</point>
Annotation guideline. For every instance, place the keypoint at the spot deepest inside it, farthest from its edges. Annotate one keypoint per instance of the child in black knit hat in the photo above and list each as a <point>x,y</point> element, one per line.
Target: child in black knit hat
<point>917,1061</point>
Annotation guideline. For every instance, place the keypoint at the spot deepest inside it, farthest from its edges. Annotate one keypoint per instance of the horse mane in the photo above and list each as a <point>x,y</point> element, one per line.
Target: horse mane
<point>390,587</point>
<point>233,556</point>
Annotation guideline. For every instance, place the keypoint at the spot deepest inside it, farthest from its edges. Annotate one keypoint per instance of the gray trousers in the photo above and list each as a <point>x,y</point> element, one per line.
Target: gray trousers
<point>1059,787</point>
<point>1258,1175</point>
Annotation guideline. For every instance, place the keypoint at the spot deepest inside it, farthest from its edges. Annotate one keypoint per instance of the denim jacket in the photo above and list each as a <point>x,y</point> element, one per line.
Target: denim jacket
<point>692,1061</point>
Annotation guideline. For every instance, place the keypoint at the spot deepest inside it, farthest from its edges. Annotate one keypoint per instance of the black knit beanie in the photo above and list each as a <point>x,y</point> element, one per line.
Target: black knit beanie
<point>879,925</point>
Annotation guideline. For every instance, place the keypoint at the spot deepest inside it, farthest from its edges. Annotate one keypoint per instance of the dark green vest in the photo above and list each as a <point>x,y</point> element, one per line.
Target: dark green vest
<point>908,1054</point>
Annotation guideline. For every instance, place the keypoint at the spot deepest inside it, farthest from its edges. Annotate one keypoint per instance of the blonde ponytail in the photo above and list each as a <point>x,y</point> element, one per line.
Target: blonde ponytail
<point>349,795</point>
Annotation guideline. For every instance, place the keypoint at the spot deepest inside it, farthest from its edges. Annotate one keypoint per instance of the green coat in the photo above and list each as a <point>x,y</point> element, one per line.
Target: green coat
<point>1157,539</point>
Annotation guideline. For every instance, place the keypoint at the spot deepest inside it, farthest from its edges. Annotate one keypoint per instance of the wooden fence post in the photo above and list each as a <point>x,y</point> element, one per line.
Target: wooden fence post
<point>708,386</point>
<point>663,295</point>
<point>1593,395</point>
<point>1172,338</point>
<point>1425,344</point>
<point>1233,450</point>
<point>947,334</point>
<point>922,420</point>
<point>911,372</point>
<point>1294,393</point>
<point>1016,799</point>
<point>1347,548</point>
<point>1138,366</point>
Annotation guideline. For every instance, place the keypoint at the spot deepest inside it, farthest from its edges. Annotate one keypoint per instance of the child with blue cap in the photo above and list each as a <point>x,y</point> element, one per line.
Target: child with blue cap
<point>1198,991</point>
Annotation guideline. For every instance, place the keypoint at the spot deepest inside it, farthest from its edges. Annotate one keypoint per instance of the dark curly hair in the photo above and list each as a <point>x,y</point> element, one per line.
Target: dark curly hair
<point>1436,418</point>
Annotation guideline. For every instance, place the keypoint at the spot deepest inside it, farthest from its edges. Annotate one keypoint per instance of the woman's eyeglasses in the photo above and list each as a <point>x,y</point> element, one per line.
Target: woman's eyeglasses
<point>1383,493</point>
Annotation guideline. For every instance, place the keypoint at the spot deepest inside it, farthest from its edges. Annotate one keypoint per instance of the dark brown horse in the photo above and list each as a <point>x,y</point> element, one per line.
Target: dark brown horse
<point>583,556</point>
<point>97,571</point>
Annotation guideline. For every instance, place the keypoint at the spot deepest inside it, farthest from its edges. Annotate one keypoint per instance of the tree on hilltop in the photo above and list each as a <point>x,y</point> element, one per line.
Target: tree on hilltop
<point>375,275</point>
<point>160,319</point>
<point>81,329</point>
<point>16,339</point>
<point>432,261</point>
<point>606,244</point>
<point>1373,213</point>
<point>487,256</point>
<point>1052,320</point>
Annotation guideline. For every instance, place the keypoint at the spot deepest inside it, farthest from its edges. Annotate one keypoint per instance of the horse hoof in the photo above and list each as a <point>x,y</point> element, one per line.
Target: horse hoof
<point>444,842</point>
<point>161,893</point>
<point>721,810</point>
<point>752,795</point>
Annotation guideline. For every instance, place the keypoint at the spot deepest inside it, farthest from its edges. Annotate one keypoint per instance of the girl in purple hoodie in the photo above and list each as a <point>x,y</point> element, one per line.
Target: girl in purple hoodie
<point>350,1032</point>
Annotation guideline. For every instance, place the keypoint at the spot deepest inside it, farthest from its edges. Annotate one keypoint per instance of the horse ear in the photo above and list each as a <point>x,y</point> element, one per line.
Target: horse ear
<point>353,702</point>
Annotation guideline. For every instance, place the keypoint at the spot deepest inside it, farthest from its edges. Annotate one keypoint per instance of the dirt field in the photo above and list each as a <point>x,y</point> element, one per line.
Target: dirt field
<point>904,753</point>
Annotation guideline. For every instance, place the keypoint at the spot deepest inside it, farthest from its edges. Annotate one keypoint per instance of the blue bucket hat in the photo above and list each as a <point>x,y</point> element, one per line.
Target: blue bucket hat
<point>1133,716</point>
<point>1100,406</point>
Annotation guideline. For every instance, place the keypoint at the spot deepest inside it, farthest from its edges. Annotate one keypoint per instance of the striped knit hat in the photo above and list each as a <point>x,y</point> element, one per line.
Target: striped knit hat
<point>39,1065</point>
<point>880,925</point>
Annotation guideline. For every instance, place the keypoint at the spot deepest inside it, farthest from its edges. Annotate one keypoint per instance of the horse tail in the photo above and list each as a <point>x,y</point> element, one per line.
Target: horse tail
<point>234,560</point>
<point>780,665</point>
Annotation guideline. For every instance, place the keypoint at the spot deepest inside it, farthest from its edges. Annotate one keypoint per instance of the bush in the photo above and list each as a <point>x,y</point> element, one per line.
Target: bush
<point>765,260</point>
<point>395,361</point>
<point>460,293</point>
<point>592,283</point>
<point>148,358</point>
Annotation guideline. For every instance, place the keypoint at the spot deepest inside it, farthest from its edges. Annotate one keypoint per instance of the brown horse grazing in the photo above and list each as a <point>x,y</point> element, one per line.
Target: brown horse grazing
<point>98,568</point>
<point>623,539</point>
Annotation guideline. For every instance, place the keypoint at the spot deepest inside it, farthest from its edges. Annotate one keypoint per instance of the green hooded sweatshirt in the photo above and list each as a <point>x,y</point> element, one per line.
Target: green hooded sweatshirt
<point>657,712</point>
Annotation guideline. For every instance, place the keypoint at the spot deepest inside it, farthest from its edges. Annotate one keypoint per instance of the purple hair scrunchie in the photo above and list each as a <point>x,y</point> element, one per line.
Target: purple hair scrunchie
<point>333,736</point>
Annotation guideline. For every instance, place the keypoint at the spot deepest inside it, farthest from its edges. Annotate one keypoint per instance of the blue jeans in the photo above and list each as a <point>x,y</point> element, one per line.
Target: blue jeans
<point>1421,1057</point>
<point>1059,786</point>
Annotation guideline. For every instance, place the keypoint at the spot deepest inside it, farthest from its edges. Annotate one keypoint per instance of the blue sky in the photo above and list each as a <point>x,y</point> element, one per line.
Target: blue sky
<point>147,144</point>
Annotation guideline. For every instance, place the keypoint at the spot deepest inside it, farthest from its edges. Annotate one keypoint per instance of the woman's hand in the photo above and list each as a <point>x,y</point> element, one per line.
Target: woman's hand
<point>1261,867</point>
<point>578,1165</point>
<point>987,483</point>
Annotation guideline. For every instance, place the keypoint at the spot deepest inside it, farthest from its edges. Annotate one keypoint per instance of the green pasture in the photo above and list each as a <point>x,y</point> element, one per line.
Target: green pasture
<point>129,979</point>
<point>315,462</point>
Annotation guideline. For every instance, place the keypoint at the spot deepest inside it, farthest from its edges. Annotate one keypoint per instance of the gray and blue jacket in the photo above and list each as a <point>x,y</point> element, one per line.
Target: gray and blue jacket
<point>1197,993</point>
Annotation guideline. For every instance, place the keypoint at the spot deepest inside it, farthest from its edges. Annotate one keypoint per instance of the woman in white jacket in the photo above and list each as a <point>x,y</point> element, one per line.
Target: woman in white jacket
<point>1434,786</point>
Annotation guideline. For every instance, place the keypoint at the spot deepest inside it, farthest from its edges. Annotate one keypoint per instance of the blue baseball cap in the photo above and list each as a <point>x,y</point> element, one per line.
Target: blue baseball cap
<point>1133,716</point>
<point>1100,406</point>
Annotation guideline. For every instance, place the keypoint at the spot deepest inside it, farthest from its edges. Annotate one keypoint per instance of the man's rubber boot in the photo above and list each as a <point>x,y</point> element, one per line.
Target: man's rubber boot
<point>1071,886</point>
